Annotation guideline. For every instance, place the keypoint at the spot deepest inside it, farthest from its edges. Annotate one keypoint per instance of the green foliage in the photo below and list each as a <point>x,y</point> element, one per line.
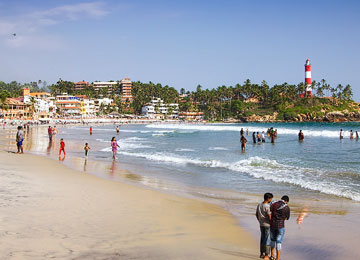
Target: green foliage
<point>144,92</point>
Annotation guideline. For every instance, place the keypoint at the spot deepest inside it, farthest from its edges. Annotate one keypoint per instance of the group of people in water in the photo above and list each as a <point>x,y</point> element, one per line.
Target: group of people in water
<point>257,137</point>
<point>351,134</point>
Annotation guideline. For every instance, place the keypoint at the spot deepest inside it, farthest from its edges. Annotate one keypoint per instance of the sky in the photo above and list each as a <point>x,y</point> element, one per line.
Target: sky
<point>181,43</point>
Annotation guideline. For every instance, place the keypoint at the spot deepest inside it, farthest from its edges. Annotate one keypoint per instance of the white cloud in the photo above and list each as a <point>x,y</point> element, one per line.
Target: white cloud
<point>72,12</point>
<point>30,27</point>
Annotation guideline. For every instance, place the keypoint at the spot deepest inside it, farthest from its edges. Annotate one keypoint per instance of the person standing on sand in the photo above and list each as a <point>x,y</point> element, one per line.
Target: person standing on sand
<point>62,147</point>
<point>54,130</point>
<point>19,140</point>
<point>243,143</point>
<point>50,132</point>
<point>280,212</point>
<point>114,146</point>
<point>263,215</point>
<point>86,149</point>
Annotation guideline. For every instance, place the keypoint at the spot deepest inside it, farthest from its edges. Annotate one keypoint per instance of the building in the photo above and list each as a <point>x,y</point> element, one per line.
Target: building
<point>68,105</point>
<point>15,109</point>
<point>110,86</point>
<point>42,102</point>
<point>81,85</point>
<point>88,108</point>
<point>102,102</point>
<point>125,89</point>
<point>193,116</point>
<point>157,107</point>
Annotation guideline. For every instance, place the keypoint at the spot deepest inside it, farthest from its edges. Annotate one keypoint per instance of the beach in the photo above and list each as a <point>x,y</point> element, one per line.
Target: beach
<point>180,191</point>
<point>52,211</point>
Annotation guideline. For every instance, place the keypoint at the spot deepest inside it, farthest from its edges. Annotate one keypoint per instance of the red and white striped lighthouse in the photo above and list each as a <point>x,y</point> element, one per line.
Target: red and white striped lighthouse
<point>308,78</point>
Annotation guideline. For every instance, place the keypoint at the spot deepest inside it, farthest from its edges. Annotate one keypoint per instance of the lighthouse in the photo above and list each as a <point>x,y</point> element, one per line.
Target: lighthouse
<point>308,78</point>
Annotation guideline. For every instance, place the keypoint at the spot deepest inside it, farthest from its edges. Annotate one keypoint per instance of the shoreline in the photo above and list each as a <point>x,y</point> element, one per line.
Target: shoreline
<point>67,214</point>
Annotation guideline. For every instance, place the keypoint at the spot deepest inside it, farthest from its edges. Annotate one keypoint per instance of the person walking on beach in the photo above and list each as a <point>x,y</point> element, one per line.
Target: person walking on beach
<point>54,132</point>
<point>62,147</point>
<point>341,134</point>
<point>19,140</point>
<point>263,215</point>
<point>280,212</point>
<point>114,146</point>
<point>301,136</point>
<point>50,132</point>
<point>243,141</point>
<point>90,130</point>
<point>86,149</point>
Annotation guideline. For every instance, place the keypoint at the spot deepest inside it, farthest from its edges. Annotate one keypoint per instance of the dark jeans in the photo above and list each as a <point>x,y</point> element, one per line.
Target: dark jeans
<point>265,240</point>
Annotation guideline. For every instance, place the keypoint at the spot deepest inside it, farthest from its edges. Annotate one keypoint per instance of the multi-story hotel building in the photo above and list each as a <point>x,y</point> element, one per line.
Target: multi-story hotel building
<point>108,85</point>
<point>15,109</point>
<point>125,88</point>
<point>68,105</point>
<point>81,85</point>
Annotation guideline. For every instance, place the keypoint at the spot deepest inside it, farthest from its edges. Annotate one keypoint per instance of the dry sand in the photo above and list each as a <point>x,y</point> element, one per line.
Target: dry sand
<point>49,211</point>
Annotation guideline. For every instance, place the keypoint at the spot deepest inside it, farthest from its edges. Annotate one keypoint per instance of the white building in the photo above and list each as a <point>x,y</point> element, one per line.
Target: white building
<point>68,105</point>
<point>88,108</point>
<point>108,85</point>
<point>158,109</point>
<point>43,102</point>
<point>102,101</point>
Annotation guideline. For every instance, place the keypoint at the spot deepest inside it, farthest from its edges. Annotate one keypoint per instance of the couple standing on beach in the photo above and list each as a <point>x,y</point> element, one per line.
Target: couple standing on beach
<point>271,217</point>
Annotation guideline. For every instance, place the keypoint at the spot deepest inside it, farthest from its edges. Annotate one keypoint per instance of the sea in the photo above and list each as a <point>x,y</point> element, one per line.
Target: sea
<point>321,174</point>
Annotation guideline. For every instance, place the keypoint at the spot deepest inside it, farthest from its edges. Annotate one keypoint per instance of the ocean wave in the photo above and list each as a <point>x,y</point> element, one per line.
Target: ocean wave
<point>218,149</point>
<point>281,130</point>
<point>126,144</point>
<point>260,168</point>
<point>184,150</point>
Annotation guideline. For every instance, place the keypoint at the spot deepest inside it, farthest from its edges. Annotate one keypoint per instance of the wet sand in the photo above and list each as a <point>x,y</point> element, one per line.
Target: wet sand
<point>52,211</point>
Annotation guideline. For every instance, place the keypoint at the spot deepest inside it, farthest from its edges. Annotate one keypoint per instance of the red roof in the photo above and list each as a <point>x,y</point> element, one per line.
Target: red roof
<point>82,83</point>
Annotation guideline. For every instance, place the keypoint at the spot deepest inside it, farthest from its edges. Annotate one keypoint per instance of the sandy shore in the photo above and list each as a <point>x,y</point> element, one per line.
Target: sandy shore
<point>52,211</point>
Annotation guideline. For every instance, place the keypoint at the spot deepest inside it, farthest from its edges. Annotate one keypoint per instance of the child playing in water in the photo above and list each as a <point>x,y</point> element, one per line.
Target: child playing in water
<point>86,149</point>
<point>62,147</point>
<point>114,146</point>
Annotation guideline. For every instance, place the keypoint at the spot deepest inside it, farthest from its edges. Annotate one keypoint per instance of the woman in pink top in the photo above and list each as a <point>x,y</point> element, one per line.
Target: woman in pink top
<point>114,146</point>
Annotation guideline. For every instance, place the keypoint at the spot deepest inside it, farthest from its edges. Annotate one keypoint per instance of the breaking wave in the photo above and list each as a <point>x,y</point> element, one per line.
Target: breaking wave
<point>281,130</point>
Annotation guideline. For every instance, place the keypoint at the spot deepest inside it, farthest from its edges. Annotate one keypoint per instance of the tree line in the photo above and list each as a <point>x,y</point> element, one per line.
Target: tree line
<point>219,103</point>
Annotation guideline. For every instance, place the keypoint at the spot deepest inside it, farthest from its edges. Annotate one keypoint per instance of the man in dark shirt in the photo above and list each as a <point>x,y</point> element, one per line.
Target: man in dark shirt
<point>280,212</point>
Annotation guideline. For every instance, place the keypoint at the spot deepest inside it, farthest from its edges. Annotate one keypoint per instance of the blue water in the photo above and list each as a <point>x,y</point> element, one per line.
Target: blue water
<point>209,156</point>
